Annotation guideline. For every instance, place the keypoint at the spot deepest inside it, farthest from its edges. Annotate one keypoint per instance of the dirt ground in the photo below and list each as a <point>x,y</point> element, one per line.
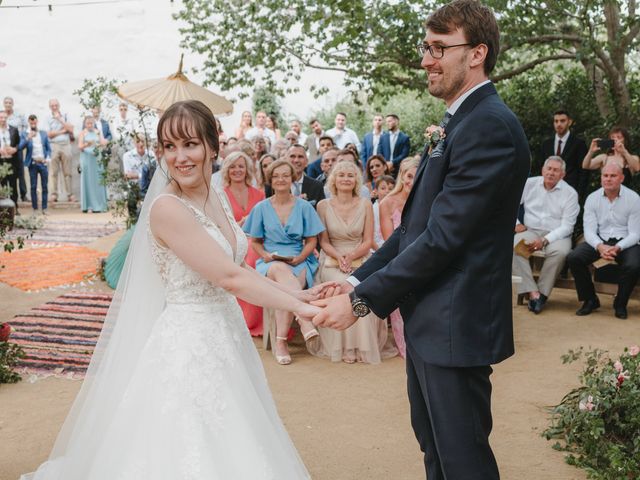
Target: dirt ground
<point>351,421</point>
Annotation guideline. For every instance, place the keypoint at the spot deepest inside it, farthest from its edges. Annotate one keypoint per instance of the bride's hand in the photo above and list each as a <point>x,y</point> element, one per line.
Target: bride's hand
<point>307,312</point>
<point>314,293</point>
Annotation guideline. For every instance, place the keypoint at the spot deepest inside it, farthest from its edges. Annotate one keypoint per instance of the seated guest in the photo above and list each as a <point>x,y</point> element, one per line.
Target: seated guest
<point>135,159</point>
<point>260,147</point>
<point>390,216</point>
<point>283,231</point>
<point>37,157</point>
<point>149,168</point>
<point>303,186</point>
<point>346,244</point>
<point>385,185</point>
<point>263,165</point>
<point>328,160</point>
<point>292,138</point>
<point>550,211</point>
<point>376,168</point>
<point>279,149</point>
<point>324,144</point>
<point>617,153</point>
<point>348,155</point>
<point>237,178</point>
<point>611,232</point>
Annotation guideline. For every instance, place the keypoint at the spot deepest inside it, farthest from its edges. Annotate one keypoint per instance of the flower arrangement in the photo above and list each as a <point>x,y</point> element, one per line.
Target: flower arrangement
<point>598,423</point>
<point>433,134</point>
<point>9,356</point>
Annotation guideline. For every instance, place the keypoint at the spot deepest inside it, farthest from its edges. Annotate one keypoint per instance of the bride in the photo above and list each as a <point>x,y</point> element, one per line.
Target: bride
<point>175,389</point>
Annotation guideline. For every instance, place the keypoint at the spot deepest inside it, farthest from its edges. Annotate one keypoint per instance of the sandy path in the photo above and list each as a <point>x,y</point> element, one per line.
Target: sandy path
<point>351,421</point>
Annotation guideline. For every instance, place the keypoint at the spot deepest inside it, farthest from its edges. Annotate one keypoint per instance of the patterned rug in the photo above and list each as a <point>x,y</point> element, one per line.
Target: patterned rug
<point>67,232</point>
<point>59,336</point>
<point>33,269</point>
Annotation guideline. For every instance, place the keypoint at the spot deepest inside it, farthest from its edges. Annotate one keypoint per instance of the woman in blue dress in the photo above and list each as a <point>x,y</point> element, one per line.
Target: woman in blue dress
<point>93,192</point>
<point>283,232</point>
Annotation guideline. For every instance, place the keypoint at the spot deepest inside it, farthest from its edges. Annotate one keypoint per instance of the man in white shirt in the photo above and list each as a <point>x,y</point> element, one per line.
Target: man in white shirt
<point>18,122</point>
<point>60,131</point>
<point>611,232</point>
<point>296,126</point>
<point>550,212</point>
<point>342,135</point>
<point>135,159</point>
<point>261,130</point>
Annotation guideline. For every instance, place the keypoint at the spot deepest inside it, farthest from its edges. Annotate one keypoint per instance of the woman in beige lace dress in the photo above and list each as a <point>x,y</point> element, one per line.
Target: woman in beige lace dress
<point>346,244</point>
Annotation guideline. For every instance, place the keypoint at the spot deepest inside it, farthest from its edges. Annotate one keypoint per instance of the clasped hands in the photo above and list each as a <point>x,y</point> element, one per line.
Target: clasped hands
<point>327,305</point>
<point>608,252</point>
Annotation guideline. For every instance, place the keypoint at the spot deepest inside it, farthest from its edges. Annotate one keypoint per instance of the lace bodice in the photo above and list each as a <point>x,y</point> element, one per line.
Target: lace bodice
<point>184,285</point>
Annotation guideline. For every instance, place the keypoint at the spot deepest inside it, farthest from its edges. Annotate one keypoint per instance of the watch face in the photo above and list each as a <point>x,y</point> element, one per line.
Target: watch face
<point>360,309</point>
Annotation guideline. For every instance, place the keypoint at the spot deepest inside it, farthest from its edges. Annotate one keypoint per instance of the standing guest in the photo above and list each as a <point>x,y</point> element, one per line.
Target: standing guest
<point>371,141</point>
<point>617,153</point>
<point>346,244</point>
<point>38,155</point>
<point>19,122</point>
<point>302,185</point>
<point>390,218</point>
<point>314,169</point>
<point>296,126</point>
<point>124,129</point>
<point>394,144</point>
<point>135,159</point>
<point>149,168</point>
<point>376,168</point>
<point>283,231</point>
<point>328,160</point>
<point>101,123</point>
<point>263,165</point>
<point>571,148</point>
<point>246,123</point>
<point>341,134</point>
<point>261,130</point>
<point>237,178</point>
<point>550,211</point>
<point>93,192</point>
<point>9,145</point>
<point>60,136</point>
<point>272,124</point>
<point>449,263</point>
<point>385,185</point>
<point>313,141</point>
<point>611,232</point>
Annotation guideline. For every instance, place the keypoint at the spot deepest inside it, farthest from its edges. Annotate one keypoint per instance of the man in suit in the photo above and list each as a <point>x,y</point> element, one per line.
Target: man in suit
<point>304,186</point>
<point>394,144</point>
<point>448,264</point>
<point>314,169</point>
<point>571,148</point>
<point>9,145</point>
<point>371,141</point>
<point>102,123</point>
<point>313,141</point>
<point>38,155</point>
<point>19,122</point>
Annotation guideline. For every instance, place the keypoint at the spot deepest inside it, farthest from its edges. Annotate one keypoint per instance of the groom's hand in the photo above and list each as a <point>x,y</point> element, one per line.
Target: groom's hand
<point>336,289</point>
<point>336,313</point>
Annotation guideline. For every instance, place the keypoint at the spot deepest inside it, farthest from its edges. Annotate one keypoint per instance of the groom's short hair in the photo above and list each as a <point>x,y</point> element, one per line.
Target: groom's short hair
<point>476,21</point>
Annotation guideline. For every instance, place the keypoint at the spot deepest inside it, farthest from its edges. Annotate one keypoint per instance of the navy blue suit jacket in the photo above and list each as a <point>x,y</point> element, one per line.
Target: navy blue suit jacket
<point>26,142</point>
<point>367,148</point>
<point>106,131</point>
<point>448,265</point>
<point>400,150</point>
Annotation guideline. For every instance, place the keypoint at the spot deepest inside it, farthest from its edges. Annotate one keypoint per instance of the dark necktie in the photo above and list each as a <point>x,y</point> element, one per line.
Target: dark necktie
<point>559,150</point>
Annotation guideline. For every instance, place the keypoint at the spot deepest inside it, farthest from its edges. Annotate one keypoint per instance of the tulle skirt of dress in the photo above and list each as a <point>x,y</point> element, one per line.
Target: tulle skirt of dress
<point>198,407</point>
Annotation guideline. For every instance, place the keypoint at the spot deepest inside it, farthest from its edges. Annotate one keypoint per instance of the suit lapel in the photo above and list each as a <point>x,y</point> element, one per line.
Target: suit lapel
<point>467,106</point>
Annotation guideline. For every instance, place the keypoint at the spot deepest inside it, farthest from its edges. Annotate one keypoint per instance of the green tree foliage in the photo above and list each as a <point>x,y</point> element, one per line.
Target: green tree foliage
<point>373,43</point>
<point>268,101</point>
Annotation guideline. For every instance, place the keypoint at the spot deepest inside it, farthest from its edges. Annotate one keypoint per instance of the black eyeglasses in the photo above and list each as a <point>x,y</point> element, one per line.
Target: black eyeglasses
<point>436,51</point>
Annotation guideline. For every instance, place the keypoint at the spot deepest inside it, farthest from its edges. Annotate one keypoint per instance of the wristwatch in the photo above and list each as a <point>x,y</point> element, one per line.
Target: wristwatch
<point>358,306</point>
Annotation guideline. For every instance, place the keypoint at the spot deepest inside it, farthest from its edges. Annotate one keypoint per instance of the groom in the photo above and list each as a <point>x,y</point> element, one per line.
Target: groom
<point>448,265</point>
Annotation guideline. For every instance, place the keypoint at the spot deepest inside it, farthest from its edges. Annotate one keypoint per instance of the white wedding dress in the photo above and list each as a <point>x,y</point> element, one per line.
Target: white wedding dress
<point>198,405</point>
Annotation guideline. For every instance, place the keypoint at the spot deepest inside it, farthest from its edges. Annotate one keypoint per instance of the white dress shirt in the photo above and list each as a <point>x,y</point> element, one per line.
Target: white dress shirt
<point>344,137</point>
<point>376,142</point>
<point>132,161</point>
<point>455,105</point>
<point>604,219</point>
<point>554,211</point>
<point>564,139</point>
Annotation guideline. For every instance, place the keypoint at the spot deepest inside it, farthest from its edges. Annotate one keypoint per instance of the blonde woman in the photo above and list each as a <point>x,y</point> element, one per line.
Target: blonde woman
<point>237,179</point>
<point>246,122</point>
<point>346,244</point>
<point>390,216</point>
